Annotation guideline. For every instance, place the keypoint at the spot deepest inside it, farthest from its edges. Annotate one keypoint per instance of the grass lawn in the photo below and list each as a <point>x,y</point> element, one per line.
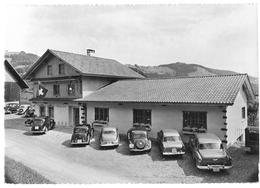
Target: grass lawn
<point>17,173</point>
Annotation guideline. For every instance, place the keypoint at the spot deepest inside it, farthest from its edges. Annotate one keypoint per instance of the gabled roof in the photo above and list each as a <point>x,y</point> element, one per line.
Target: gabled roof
<point>197,90</point>
<point>88,65</point>
<point>14,74</point>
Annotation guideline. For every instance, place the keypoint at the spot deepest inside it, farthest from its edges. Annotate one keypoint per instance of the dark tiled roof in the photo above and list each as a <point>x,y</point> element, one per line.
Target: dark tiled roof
<point>91,65</point>
<point>205,89</point>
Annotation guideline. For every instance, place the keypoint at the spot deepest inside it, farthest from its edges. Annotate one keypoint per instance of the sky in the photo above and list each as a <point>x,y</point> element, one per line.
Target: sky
<point>216,36</point>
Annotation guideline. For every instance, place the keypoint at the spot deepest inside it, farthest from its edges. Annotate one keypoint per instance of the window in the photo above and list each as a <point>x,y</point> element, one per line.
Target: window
<point>101,114</point>
<point>56,89</point>
<point>42,110</point>
<point>243,113</point>
<point>142,116</point>
<point>51,111</point>
<point>71,89</point>
<point>61,69</point>
<point>195,119</point>
<point>49,69</point>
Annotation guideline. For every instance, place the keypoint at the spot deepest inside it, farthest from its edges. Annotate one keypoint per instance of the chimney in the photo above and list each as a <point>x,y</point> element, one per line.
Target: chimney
<point>90,51</point>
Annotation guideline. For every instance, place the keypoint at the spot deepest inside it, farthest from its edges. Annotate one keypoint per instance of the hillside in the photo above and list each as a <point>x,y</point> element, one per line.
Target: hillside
<point>182,69</point>
<point>21,60</point>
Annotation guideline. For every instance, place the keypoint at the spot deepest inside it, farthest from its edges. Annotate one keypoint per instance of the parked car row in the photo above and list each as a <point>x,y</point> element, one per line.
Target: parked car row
<point>23,109</point>
<point>206,148</point>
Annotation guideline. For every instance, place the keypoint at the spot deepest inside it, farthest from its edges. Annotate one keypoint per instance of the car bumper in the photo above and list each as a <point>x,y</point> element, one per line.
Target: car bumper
<point>136,150</point>
<point>215,168</point>
<point>79,142</point>
<point>109,144</point>
<point>174,153</point>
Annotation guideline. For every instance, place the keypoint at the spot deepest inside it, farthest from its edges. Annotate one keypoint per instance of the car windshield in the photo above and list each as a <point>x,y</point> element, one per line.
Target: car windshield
<point>210,146</point>
<point>80,130</point>
<point>38,122</point>
<point>111,132</point>
<point>138,134</point>
<point>171,139</point>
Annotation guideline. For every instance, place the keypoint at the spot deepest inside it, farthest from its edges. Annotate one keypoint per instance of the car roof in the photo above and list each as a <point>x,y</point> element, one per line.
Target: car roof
<point>170,132</point>
<point>208,138</point>
<point>109,129</point>
<point>137,129</point>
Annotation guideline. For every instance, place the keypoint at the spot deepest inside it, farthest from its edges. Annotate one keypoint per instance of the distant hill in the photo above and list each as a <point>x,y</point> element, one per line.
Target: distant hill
<point>179,69</point>
<point>21,60</point>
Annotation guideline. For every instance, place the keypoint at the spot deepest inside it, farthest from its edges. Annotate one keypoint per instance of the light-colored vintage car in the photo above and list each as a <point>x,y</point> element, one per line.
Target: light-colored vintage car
<point>170,142</point>
<point>209,153</point>
<point>109,136</point>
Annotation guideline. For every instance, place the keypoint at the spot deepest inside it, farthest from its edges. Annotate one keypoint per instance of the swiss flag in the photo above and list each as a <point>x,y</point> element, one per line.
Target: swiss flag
<point>42,90</point>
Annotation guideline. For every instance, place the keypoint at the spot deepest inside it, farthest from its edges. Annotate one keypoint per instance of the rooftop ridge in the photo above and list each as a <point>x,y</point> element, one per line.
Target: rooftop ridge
<point>52,50</point>
<point>182,77</point>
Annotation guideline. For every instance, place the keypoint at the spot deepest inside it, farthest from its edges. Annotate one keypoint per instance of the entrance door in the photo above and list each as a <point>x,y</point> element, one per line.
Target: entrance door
<point>76,116</point>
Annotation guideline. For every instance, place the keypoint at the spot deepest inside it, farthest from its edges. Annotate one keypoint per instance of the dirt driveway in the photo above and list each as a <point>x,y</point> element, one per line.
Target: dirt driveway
<point>52,156</point>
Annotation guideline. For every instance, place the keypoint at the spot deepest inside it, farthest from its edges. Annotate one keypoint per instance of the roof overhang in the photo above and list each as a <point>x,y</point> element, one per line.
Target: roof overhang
<point>14,74</point>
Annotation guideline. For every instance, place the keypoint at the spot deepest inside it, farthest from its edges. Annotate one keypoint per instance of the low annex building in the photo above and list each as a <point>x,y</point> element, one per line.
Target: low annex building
<point>216,104</point>
<point>59,78</point>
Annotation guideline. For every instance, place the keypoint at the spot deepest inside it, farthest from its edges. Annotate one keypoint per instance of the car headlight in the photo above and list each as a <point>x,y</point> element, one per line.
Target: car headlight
<point>131,145</point>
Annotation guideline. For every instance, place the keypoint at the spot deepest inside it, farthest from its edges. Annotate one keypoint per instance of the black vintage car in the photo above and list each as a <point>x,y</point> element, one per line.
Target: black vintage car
<point>41,124</point>
<point>82,134</point>
<point>209,153</point>
<point>138,139</point>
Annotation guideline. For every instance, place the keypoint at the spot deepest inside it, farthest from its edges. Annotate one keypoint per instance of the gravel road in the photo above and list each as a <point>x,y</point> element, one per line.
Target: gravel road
<point>52,156</point>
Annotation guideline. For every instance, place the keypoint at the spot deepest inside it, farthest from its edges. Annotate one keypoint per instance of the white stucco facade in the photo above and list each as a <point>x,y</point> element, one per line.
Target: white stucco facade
<point>236,124</point>
<point>162,116</point>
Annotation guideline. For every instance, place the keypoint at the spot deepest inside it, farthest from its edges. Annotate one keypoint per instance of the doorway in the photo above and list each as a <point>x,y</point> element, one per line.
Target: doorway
<point>75,116</point>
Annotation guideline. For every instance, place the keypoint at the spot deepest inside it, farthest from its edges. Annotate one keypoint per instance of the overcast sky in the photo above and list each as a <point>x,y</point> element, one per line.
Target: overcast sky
<point>216,36</point>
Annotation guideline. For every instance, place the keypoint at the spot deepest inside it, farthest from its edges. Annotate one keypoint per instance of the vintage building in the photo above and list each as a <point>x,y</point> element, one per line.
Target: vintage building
<point>61,77</point>
<point>216,104</point>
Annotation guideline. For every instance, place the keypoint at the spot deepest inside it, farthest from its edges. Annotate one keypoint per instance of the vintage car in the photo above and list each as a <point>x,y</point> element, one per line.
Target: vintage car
<point>11,107</point>
<point>109,136</point>
<point>23,108</point>
<point>138,139</point>
<point>82,134</point>
<point>142,125</point>
<point>29,113</point>
<point>170,142</point>
<point>209,153</point>
<point>252,139</point>
<point>41,124</point>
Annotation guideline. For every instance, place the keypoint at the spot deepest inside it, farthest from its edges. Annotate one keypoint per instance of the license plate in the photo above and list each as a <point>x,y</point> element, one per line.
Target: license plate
<point>216,169</point>
<point>79,141</point>
<point>36,127</point>
<point>174,150</point>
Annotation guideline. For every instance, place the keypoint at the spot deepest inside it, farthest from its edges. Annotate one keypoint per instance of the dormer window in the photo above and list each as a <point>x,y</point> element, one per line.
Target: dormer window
<point>61,69</point>
<point>49,69</point>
